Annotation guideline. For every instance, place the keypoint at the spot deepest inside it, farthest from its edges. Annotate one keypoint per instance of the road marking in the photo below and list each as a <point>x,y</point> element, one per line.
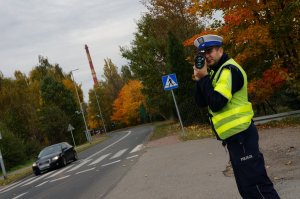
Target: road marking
<point>36,179</point>
<point>119,154</point>
<point>19,196</point>
<point>60,178</point>
<point>132,157</point>
<point>137,148</point>
<point>129,132</point>
<point>13,184</point>
<point>99,159</point>
<point>79,165</point>
<point>110,163</point>
<point>17,184</point>
<point>42,183</point>
<point>60,171</point>
<point>85,171</point>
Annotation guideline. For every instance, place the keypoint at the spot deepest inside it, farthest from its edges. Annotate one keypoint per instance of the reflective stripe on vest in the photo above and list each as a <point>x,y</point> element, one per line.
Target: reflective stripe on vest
<point>237,114</point>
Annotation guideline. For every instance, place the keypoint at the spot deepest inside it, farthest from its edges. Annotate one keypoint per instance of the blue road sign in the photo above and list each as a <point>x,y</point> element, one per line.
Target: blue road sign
<point>169,82</point>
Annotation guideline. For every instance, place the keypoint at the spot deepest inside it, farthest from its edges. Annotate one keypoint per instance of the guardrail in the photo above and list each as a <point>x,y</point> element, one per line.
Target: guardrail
<point>279,116</point>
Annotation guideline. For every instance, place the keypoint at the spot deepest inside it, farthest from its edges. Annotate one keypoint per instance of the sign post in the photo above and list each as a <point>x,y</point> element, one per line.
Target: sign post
<point>71,128</point>
<point>2,162</point>
<point>170,83</point>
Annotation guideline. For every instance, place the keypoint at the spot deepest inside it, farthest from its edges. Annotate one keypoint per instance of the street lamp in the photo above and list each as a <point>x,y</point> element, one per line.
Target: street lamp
<point>87,134</point>
<point>100,111</point>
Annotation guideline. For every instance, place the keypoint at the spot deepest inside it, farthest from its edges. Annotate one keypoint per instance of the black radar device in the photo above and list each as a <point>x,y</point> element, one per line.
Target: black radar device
<point>199,60</point>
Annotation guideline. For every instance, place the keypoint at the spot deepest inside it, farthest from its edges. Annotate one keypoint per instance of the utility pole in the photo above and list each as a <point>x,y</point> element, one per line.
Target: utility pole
<point>2,162</point>
<point>100,111</point>
<point>87,133</point>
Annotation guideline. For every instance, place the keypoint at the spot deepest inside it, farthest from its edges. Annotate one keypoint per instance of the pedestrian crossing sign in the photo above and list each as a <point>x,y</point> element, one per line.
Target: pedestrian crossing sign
<point>169,82</point>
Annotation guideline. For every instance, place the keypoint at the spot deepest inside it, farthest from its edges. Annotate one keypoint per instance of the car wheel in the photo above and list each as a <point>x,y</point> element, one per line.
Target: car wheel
<point>63,162</point>
<point>75,156</point>
<point>36,172</point>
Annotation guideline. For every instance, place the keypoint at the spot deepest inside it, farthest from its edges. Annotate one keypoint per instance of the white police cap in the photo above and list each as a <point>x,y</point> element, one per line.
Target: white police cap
<point>207,41</point>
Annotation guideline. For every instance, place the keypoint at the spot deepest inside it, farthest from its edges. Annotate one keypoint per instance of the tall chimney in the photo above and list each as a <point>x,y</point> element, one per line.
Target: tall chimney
<point>91,66</point>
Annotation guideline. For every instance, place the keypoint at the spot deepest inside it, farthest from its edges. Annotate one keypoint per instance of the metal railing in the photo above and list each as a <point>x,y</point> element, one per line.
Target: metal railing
<point>279,116</point>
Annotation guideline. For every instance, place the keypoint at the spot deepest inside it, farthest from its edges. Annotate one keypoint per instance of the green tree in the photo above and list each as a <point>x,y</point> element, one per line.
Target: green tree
<point>148,52</point>
<point>126,74</point>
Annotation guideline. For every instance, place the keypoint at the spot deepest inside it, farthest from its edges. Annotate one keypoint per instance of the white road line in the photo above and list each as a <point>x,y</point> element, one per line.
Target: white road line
<point>110,163</point>
<point>137,148</point>
<point>36,179</point>
<point>60,171</point>
<point>132,157</point>
<point>11,185</point>
<point>85,171</point>
<point>99,159</point>
<point>119,154</point>
<point>18,184</point>
<point>129,132</point>
<point>60,178</point>
<point>19,196</point>
<point>42,183</point>
<point>79,165</point>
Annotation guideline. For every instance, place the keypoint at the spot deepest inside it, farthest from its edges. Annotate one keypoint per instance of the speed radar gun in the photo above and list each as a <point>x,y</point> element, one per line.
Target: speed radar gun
<point>199,60</point>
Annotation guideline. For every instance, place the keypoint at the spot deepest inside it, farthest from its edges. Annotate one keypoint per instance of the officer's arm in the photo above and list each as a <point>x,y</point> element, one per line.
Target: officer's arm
<point>214,99</point>
<point>199,97</point>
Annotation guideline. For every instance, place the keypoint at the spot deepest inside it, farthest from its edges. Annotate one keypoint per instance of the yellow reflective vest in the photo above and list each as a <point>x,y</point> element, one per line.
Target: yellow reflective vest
<point>236,115</point>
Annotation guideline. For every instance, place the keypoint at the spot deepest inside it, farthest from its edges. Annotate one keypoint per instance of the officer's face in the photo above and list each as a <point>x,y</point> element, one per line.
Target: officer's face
<point>213,55</point>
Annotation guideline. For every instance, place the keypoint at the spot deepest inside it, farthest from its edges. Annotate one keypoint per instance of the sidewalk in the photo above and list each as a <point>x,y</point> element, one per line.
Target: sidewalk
<point>194,169</point>
<point>184,170</point>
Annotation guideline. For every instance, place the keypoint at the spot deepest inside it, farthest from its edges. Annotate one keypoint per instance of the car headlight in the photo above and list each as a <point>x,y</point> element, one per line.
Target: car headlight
<point>34,164</point>
<point>55,158</point>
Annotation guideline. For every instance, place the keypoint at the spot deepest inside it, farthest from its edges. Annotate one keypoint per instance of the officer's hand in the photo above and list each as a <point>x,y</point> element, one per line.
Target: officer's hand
<point>200,73</point>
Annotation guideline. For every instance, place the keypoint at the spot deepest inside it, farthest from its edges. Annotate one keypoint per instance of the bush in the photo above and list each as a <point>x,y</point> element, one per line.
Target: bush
<point>13,150</point>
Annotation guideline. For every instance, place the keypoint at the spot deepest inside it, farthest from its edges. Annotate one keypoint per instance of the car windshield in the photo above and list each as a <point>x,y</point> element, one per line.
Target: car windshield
<point>50,149</point>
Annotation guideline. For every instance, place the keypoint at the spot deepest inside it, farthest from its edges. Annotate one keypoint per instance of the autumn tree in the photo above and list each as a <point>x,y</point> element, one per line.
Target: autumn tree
<point>261,36</point>
<point>97,103</point>
<point>127,105</point>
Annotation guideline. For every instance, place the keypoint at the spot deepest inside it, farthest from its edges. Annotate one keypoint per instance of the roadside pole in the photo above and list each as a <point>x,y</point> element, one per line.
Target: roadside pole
<point>87,134</point>
<point>170,83</point>
<point>71,128</point>
<point>2,162</point>
<point>183,132</point>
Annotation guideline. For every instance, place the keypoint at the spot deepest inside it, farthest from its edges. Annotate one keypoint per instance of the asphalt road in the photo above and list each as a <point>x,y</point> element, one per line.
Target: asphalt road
<point>94,175</point>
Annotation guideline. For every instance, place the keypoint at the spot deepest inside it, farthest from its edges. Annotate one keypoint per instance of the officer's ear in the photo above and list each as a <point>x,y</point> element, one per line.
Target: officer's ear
<point>221,50</point>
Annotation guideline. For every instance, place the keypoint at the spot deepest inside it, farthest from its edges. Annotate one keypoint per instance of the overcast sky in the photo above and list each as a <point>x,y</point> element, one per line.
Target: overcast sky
<point>59,29</point>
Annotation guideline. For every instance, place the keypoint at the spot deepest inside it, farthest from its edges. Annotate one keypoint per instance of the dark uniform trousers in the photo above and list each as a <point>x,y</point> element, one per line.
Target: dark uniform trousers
<point>249,166</point>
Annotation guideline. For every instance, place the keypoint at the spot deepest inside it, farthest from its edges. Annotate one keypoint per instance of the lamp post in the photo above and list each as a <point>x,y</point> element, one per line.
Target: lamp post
<point>100,111</point>
<point>88,137</point>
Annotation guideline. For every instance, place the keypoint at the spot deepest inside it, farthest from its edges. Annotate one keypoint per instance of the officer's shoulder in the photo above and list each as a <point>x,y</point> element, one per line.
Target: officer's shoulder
<point>235,71</point>
<point>231,67</point>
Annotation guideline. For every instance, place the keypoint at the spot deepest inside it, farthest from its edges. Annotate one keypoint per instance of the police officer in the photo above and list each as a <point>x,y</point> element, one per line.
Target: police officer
<point>224,91</point>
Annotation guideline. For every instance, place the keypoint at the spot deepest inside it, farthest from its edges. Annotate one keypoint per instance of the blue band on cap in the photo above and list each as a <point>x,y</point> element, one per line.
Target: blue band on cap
<point>209,44</point>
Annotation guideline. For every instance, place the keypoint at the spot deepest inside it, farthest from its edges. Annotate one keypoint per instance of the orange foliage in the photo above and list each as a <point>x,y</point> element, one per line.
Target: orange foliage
<point>126,106</point>
<point>238,16</point>
<point>273,79</point>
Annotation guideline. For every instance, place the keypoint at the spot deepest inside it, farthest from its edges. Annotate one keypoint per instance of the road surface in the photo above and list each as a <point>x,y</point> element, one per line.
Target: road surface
<point>96,172</point>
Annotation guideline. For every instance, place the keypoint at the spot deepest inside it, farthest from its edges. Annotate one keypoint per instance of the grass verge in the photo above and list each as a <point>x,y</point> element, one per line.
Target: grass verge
<point>169,128</point>
<point>24,170</point>
<point>194,132</point>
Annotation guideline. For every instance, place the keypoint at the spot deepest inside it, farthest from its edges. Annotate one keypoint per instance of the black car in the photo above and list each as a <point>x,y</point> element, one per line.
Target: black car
<point>54,156</point>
